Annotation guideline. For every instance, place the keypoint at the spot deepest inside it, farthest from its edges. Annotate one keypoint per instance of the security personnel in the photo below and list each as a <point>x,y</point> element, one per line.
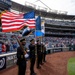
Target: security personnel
<point>21,60</point>
<point>38,45</point>
<point>32,56</point>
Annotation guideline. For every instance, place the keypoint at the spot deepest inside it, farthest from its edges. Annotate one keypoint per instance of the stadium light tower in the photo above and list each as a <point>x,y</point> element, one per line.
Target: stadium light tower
<point>43,3</point>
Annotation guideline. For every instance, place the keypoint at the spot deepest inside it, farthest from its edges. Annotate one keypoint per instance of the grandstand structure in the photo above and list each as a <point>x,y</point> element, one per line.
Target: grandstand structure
<point>57,23</point>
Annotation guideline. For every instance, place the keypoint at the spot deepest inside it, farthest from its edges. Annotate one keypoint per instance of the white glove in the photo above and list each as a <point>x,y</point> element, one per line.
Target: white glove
<point>26,55</point>
<point>28,50</point>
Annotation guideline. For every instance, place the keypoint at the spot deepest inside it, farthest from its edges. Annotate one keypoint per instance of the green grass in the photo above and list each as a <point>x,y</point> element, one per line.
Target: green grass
<point>71,66</point>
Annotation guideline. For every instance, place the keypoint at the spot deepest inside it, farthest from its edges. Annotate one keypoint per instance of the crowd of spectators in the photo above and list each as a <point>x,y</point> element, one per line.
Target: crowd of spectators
<point>60,33</point>
<point>8,46</point>
<point>60,42</point>
<point>50,42</point>
<point>55,22</point>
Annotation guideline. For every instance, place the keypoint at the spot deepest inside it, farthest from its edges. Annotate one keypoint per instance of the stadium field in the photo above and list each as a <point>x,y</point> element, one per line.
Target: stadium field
<point>71,66</point>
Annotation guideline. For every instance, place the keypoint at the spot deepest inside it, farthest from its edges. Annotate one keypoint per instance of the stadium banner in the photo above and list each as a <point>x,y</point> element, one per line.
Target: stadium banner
<point>2,63</point>
<point>11,60</point>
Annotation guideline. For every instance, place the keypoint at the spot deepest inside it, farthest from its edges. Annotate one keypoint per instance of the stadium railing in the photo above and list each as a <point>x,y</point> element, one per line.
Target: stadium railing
<point>56,49</point>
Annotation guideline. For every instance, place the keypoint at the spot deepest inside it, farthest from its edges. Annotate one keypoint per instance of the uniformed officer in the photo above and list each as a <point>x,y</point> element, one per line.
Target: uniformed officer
<point>32,56</point>
<point>21,60</point>
<point>38,54</point>
<point>44,53</point>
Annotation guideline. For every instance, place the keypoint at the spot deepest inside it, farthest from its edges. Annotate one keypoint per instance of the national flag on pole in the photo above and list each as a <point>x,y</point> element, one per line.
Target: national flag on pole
<point>15,22</point>
<point>38,31</point>
<point>38,23</point>
<point>11,22</point>
<point>29,29</point>
<point>30,17</point>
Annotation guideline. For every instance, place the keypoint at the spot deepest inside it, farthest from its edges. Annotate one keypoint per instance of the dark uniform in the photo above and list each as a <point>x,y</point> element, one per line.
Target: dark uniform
<point>38,54</point>
<point>44,53</point>
<point>32,57</point>
<point>21,61</point>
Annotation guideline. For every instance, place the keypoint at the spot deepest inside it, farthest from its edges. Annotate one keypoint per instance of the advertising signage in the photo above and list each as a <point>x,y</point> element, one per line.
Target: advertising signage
<point>6,2</point>
<point>2,63</point>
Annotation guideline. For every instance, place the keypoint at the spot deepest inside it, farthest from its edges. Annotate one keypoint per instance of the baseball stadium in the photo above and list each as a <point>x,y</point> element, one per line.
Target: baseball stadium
<point>58,36</point>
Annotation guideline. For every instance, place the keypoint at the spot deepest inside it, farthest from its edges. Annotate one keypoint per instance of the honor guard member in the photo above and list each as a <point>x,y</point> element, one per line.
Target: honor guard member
<point>21,60</point>
<point>44,53</point>
<point>32,56</point>
<point>38,54</point>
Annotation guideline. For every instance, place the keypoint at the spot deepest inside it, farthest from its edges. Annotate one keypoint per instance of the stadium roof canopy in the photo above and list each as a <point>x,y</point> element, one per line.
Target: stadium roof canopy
<point>46,14</point>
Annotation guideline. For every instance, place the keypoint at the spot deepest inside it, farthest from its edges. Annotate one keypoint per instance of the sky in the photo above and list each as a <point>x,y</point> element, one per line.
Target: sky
<point>60,5</point>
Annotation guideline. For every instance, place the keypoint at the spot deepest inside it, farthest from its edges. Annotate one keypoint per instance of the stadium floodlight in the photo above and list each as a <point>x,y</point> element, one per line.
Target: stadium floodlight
<point>42,8</point>
<point>44,4</point>
<point>30,4</point>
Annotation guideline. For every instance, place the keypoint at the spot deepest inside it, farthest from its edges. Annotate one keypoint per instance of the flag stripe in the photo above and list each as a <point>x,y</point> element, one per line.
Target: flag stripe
<point>13,20</point>
<point>10,21</point>
<point>13,29</point>
<point>17,24</point>
<point>12,14</point>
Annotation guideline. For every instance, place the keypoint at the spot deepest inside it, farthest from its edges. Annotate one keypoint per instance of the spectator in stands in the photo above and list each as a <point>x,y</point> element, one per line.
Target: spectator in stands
<point>69,46</point>
<point>7,46</point>
<point>74,46</point>
<point>0,46</point>
<point>3,47</point>
<point>15,46</point>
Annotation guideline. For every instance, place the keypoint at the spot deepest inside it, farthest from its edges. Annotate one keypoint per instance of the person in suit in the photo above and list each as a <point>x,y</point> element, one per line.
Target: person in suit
<point>21,58</point>
<point>32,56</point>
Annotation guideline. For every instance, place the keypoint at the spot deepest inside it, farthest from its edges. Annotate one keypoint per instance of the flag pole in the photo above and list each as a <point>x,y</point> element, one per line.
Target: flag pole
<point>41,36</point>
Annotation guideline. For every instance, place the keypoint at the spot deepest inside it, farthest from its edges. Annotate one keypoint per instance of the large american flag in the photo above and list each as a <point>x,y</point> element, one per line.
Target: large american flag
<point>15,22</point>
